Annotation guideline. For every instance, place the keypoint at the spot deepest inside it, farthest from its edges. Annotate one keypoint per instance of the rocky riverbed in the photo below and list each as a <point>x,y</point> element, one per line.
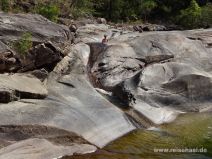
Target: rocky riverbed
<point>71,94</point>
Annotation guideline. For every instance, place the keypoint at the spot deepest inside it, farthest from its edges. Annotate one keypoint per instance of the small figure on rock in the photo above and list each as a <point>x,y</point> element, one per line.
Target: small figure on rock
<point>104,40</point>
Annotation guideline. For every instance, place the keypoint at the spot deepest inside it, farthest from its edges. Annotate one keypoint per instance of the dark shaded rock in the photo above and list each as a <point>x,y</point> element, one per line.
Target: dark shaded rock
<point>48,40</point>
<point>7,95</point>
<point>65,21</point>
<point>110,65</point>
<point>8,62</point>
<point>127,89</point>
<point>138,28</point>
<point>149,27</point>
<point>43,55</point>
<point>41,74</point>
<point>158,58</point>
<point>73,28</point>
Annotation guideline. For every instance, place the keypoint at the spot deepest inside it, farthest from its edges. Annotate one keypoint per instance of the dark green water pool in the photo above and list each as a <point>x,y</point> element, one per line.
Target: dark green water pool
<point>189,131</point>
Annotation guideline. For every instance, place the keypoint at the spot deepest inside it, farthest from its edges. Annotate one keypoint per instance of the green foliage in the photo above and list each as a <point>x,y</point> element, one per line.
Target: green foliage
<point>206,17</point>
<point>51,12</point>
<point>187,13</point>
<point>24,44</point>
<point>190,17</point>
<point>147,6</point>
<point>82,8</point>
<point>5,5</point>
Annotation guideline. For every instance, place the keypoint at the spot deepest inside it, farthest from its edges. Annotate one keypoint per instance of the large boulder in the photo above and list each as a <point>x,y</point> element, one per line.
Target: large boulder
<point>13,26</point>
<point>159,73</point>
<point>116,63</point>
<point>72,105</point>
<point>49,41</point>
<point>19,86</point>
<point>44,55</point>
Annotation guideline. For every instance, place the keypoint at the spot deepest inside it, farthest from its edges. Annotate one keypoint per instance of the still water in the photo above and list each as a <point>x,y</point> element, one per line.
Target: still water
<point>188,131</point>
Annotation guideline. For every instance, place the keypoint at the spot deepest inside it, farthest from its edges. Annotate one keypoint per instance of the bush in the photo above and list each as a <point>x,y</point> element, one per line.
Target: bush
<point>51,12</point>
<point>206,17</point>
<point>5,5</point>
<point>190,17</point>
<point>147,7</point>
<point>82,8</point>
<point>24,44</point>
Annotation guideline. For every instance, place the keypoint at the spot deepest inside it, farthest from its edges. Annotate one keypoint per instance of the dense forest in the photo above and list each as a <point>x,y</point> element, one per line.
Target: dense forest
<point>185,13</point>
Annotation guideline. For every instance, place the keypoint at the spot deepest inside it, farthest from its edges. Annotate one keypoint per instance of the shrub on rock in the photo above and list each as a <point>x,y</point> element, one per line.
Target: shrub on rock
<point>51,12</point>
<point>24,44</point>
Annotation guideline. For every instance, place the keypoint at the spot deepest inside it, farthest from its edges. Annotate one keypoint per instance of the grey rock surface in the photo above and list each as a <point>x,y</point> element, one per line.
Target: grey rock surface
<point>72,105</point>
<point>54,119</point>
<point>14,25</point>
<point>154,76</point>
<point>18,86</point>
<point>95,33</point>
<point>158,74</point>
<point>41,148</point>
<point>49,41</point>
<point>44,55</point>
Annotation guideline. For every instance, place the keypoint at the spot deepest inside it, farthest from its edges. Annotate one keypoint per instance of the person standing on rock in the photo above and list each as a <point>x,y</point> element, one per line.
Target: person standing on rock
<point>104,40</point>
